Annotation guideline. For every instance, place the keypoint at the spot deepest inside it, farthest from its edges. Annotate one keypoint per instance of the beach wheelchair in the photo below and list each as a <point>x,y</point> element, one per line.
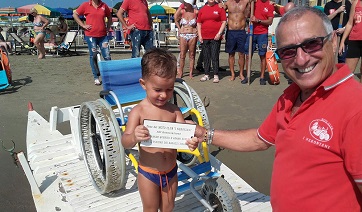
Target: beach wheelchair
<point>102,122</point>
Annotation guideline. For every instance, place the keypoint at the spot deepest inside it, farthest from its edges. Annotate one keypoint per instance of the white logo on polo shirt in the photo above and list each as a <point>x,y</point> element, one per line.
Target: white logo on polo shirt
<point>321,130</point>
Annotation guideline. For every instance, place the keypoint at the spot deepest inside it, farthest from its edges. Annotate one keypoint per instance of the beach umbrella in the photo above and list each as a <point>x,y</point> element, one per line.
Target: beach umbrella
<point>118,5</point>
<point>42,10</point>
<point>169,10</point>
<point>157,10</point>
<point>8,11</point>
<point>64,11</point>
<point>23,19</point>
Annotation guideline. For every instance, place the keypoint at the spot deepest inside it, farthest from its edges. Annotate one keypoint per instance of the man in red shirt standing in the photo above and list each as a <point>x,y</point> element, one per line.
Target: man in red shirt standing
<point>95,29</point>
<point>139,24</point>
<point>314,126</point>
<point>262,19</point>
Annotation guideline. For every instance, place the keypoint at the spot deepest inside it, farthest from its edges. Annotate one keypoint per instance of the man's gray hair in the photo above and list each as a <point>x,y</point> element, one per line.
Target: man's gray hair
<point>299,11</point>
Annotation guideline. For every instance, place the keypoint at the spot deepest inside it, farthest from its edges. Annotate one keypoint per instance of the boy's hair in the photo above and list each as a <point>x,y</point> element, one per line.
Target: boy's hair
<point>159,62</point>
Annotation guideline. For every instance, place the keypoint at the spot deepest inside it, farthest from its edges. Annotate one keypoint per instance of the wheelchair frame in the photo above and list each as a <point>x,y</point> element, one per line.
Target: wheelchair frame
<point>102,122</point>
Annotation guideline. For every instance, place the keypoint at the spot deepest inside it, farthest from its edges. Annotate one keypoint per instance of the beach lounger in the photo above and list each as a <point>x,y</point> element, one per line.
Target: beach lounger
<point>24,47</point>
<point>117,39</point>
<point>69,40</point>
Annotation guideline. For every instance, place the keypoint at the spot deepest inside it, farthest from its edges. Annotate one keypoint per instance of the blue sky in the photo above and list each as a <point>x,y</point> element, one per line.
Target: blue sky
<point>50,3</point>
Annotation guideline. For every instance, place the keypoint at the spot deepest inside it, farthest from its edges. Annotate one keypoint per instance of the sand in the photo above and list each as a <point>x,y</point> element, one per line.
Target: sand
<point>66,81</point>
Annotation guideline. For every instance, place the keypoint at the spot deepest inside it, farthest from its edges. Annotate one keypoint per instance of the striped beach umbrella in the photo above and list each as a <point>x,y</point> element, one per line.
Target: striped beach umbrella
<point>42,10</point>
<point>8,11</point>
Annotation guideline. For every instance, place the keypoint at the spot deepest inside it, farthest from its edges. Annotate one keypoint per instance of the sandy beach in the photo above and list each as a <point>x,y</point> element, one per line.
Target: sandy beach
<point>66,81</point>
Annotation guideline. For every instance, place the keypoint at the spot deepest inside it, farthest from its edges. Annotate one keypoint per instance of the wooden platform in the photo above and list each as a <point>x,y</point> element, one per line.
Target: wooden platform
<point>61,175</point>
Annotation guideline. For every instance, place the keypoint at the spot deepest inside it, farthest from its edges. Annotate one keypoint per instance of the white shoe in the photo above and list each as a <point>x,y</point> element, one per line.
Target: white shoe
<point>216,79</point>
<point>97,82</point>
<point>204,78</point>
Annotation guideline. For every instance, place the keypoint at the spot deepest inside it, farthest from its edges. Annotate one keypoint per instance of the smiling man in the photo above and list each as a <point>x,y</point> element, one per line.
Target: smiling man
<point>314,126</point>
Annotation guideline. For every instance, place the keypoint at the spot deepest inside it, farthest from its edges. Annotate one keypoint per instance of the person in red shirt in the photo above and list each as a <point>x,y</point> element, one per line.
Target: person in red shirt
<point>262,19</point>
<point>140,24</point>
<point>211,22</point>
<point>314,126</point>
<point>95,29</point>
<point>353,31</point>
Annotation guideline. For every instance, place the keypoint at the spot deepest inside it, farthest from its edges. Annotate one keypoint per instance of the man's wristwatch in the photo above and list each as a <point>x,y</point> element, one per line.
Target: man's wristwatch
<point>259,21</point>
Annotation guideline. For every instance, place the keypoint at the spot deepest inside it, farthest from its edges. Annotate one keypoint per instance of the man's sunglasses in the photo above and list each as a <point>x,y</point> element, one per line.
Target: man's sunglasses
<point>308,46</point>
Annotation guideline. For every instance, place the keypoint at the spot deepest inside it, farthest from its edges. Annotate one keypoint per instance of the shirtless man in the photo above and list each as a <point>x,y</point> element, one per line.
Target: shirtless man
<point>236,35</point>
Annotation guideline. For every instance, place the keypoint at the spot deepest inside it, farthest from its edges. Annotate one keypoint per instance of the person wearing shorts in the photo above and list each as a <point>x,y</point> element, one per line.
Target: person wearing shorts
<point>354,31</point>
<point>262,19</point>
<point>236,35</point>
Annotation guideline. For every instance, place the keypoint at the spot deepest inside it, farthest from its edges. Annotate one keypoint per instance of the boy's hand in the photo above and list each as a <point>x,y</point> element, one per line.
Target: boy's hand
<point>192,143</point>
<point>199,137</point>
<point>141,133</point>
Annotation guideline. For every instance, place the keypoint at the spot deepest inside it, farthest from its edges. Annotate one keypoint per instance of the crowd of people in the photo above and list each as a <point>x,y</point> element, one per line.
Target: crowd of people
<point>196,26</point>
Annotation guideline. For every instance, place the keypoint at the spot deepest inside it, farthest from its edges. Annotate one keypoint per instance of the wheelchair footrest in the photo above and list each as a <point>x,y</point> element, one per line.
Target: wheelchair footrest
<point>198,169</point>
<point>185,187</point>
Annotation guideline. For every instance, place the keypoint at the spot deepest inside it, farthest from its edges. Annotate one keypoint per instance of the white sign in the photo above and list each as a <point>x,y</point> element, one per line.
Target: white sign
<point>168,134</point>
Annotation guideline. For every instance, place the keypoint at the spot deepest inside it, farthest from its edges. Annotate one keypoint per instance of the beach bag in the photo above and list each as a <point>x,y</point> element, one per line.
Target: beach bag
<point>5,65</point>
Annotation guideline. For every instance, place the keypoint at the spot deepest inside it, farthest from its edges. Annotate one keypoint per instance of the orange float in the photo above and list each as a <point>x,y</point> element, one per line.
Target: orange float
<point>5,65</point>
<point>272,65</point>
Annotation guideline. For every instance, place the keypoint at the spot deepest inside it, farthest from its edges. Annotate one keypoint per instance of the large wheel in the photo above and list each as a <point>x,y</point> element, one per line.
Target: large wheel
<point>101,144</point>
<point>182,99</point>
<point>189,101</point>
<point>219,194</point>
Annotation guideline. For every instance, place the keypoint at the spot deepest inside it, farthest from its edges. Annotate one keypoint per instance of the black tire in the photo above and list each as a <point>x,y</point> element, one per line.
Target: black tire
<point>219,194</point>
<point>185,158</point>
<point>101,146</point>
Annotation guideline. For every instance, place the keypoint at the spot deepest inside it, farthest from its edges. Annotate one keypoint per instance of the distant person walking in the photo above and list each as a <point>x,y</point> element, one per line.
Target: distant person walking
<point>140,24</point>
<point>40,23</point>
<point>95,29</point>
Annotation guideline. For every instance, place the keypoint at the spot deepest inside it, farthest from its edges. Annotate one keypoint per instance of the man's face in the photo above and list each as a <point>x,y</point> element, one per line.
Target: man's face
<point>308,70</point>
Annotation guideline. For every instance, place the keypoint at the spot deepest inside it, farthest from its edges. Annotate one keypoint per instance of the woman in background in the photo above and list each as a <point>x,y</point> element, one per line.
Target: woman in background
<point>40,24</point>
<point>354,31</point>
<point>95,29</point>
<point>50,39</point>
<point>185,18</point>
<point>211,23</point>
<point>62,28</point>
